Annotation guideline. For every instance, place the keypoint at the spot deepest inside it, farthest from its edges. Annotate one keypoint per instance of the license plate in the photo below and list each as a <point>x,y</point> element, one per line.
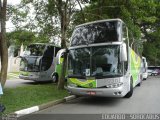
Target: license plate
<point>91,93</point>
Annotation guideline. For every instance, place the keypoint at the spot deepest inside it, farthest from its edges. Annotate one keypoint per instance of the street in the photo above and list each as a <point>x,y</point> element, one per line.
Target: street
<point>145,99</point>
<point>16,82</point>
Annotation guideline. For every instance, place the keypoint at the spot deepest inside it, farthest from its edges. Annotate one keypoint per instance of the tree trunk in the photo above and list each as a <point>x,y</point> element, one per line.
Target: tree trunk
<point>63,8</point>
<point>63,20</point>
<point>62,76</point>
<point>3,44</point>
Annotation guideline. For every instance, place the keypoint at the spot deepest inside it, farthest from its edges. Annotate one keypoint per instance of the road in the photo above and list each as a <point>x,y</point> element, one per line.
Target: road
<point>16,82</point>
<point>145,99</point>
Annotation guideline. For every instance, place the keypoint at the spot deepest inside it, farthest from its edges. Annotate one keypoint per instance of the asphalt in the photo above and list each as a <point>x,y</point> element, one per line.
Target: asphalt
<point>145,99</point>
<point>16,82</point>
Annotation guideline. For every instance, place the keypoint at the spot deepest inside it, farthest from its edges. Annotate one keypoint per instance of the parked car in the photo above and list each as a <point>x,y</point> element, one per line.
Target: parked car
<point>158,71</point>
<point>149,71</point>
<point>154,73</point>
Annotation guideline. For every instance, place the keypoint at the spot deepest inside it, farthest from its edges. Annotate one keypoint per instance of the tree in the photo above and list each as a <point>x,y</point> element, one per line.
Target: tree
<point>65,10</point>
<point>53,18</point>
<point>25,37</point>
<point>3,43</point>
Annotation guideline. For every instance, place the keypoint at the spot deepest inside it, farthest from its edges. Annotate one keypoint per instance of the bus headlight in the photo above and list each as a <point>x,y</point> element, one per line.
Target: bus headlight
<point>114,85</point>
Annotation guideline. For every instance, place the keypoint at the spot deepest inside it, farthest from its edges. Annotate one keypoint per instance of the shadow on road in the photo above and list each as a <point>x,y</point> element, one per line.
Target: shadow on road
<point>36,83</point>
<point>96,101</point>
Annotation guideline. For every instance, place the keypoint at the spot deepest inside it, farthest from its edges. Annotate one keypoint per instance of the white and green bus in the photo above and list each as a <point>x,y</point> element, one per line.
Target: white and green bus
<point>101,61</point>
<point>38,62</point>
<point>144,68</point>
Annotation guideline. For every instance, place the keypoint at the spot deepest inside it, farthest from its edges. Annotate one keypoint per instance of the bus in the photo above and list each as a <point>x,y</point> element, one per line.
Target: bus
<point>38,62</point>
<point>144,68</point>
<point>100,60</point>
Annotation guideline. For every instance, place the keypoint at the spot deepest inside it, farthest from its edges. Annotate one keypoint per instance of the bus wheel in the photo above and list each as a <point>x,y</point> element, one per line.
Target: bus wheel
<point>139,84</point>
<point>129,94</point>
<point>55,78</point>
<point>144,78</point>
<point>141,78</point>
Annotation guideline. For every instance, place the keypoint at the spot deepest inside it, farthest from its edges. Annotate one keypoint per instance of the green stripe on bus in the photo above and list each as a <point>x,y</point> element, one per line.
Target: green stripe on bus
<point>87,83</point>
<point>135,66</point>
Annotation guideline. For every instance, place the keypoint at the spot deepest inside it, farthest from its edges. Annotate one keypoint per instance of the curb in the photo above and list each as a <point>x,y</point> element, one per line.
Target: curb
<point>33,109</point>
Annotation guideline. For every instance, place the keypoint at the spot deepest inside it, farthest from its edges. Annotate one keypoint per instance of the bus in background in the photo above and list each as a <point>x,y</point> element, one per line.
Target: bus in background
<point>144,68</point>
<point>101,61</point>
<point>38,62</point>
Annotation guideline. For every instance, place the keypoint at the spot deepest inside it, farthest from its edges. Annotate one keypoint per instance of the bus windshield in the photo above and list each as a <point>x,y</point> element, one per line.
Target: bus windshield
<point>30,64</point>
<point>100,32</point>
<point>38,57</point>
<point>99,61</point>
<point>79,61</point>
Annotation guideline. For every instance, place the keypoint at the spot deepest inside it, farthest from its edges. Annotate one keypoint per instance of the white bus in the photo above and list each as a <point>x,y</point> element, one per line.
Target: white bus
<point>38,62</point>
<point>101,61</point>
<point>144,67</point>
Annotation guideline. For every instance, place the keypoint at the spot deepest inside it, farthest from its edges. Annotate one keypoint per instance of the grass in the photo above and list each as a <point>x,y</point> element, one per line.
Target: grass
<point>27,96</point>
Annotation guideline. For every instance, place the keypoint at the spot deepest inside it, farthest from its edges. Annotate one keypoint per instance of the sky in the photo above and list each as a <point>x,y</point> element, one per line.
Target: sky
<point>13,2</point>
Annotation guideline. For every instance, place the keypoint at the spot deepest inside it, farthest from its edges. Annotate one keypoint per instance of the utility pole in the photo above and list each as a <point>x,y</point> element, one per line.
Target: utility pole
<point>0,17</point>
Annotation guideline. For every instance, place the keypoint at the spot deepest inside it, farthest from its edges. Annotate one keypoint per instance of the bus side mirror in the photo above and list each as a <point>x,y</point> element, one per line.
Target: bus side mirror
<point>123,53</point>
<point>59,55</point>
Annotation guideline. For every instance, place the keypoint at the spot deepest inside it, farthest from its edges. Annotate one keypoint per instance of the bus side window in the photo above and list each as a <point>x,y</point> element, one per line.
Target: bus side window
<point>56,50</point>
<point>124,32</point>
<point>49,51</point>
<point>47,58</point>
<point>125,38</point>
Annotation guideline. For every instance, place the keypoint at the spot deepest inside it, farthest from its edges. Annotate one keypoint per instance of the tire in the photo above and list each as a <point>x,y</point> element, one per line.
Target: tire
<point>141,78</point>
<point>139,84</point>
<point>144,78</point>
<point>130,93</point>
<point>54,78</point>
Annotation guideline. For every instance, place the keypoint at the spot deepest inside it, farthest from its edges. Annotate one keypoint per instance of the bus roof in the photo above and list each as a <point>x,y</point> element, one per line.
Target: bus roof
<point>51,44</point>
<point>99,21</point>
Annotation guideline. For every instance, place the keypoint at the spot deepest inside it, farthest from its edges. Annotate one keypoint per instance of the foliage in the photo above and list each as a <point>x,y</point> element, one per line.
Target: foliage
<point>20,37</point>
<point>43,18</point>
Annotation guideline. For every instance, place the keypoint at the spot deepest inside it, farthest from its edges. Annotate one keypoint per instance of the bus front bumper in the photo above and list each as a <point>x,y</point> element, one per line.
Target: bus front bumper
<point>28,78</point>
<point>103,92</point>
